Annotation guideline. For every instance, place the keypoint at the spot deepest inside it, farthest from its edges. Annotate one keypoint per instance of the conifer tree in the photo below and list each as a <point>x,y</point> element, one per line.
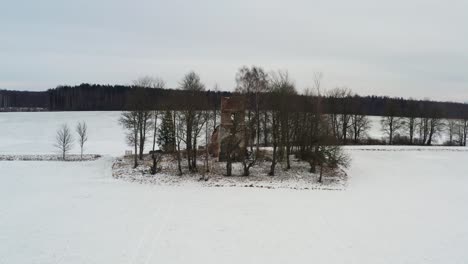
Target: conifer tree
<point>166,133</point>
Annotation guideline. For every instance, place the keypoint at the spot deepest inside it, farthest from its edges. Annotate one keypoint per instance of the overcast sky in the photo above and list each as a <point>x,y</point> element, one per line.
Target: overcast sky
<point>399,48</point>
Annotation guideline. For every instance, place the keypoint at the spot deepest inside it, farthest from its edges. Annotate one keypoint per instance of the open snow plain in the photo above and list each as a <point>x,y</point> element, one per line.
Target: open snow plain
<point>399,207</point>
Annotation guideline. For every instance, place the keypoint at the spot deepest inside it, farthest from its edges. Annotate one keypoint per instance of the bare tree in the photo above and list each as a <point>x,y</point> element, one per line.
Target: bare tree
<point>410,125</point>
<point>252,82</point>
<point>274,140</point>
<point>156,156</point>
<point>436,126</point>
<point>155,130</point>
<point>282,87</point>
<point>320,147</point>
<point>129,120</point>
<point>360,124</point>
<point>340,116</point>
<point>178,136</point>
<point>232,141</point>
<point>207,139</point>
<point>285,88</point>
<point>452,129</point>
<point>423,126</point>
<point>64,140</point>
<point>140,103</point>
<point>82,131</point>
<point>391,122</point>
<point>194,120</point>
<point>390,126</point>
<point>150,82</point>
<point>463,131</point>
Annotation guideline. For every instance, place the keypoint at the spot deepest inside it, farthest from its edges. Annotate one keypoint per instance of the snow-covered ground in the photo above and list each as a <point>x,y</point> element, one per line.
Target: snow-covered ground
<point>34,132</point>
<point>399,207</point>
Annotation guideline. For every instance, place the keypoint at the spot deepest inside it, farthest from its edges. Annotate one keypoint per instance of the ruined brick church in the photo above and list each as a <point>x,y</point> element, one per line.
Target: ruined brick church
<point>232,108</point>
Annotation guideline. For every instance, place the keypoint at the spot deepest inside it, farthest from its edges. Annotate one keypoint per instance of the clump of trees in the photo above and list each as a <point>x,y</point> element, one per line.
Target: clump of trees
<point>302,131</point>
<point>192,119</point>
<point>311,127</point>
<point>64,139</point>
<point>140,120</point>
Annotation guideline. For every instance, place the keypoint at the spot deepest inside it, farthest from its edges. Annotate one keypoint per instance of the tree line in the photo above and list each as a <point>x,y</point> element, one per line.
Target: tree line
<point>94,97</point>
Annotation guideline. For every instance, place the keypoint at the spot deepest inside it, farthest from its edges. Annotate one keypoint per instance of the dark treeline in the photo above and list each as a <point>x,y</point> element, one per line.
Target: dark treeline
<point>86,97</point>
<point>92,97</point>
<point>23,99</point>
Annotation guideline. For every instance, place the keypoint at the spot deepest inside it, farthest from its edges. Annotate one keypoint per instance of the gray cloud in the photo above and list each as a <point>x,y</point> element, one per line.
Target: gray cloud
<point>398,48</point>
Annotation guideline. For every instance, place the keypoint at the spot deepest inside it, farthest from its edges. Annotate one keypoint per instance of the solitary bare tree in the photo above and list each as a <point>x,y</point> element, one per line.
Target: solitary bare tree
<point>82,131</point>
<point>129,121</point>
<point>64,140</point>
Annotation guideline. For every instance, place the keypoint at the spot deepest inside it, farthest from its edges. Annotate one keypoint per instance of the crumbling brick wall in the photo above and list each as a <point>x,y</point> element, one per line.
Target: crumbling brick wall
<point>230,106</point>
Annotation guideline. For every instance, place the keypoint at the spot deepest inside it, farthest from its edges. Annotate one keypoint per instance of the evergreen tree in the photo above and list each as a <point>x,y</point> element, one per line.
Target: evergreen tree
<point>166,133</point>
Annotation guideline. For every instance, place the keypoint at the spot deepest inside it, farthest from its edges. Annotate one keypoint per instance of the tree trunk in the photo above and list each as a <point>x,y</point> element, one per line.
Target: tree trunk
<point>257,116</point>
<point>189,124</point>
<point>154,167</point>
<point>321,173</point>
<point>345,129</point>
<point>135,156</point>
<point>176,137</point>
<point>265,129</point>
<point>207,169</point>
<point>390,134</point>
<point>275,140</point>
<point>155,129</point>
<point>273,161</point>
<point>246,170</point>
<point>411,128</point>
<point>194,155</point>
<point>229,167</point>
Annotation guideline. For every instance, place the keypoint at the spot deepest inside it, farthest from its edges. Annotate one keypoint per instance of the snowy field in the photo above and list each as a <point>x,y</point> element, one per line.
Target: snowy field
<point>34,133</point>
<point>399,207</point>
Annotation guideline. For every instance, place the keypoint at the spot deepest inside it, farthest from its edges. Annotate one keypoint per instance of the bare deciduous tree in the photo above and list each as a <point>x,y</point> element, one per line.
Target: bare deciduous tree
<point>194,120</point>
<point>129,120</point>
<point>452,128</point>
<point>82,131</point>
<point>360,124</point>
<point>436,126</point>
<point>140,103</point>
<point>232,141</point>
<point>463,132</point>
<point>340,115</point>
<point>410,125</point>
<point>178,136</point>
<point>252,82</point>
<point>64,140</point>
<point>390,126</point>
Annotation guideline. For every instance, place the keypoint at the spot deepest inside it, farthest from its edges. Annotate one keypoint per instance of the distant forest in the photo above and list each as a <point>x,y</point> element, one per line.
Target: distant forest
<point>92,97</point>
